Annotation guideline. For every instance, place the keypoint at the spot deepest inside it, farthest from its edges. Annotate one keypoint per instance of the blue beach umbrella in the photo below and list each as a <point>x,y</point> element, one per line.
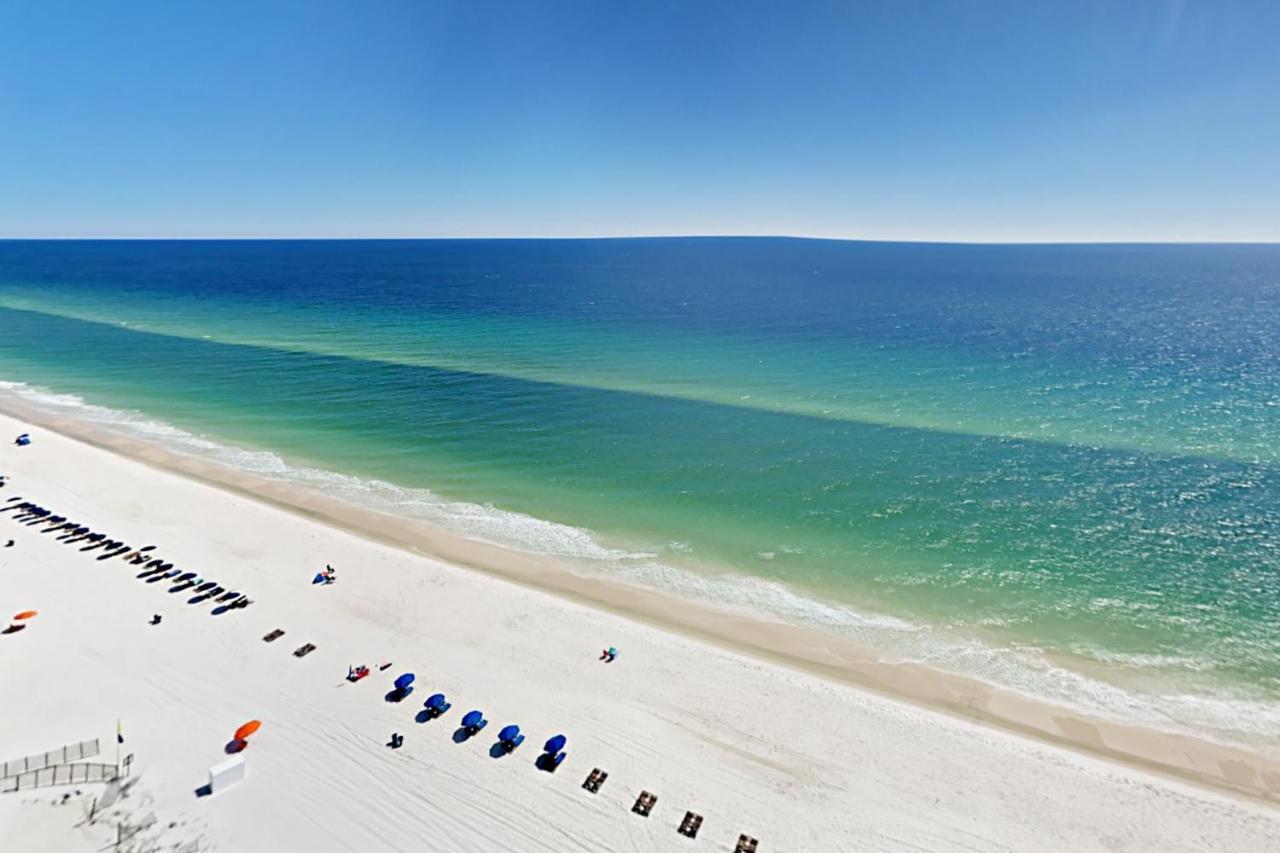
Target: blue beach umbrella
<point>510,733</point>
<point>404,681</point>
<point>473,719</point>
<point>555,744</point>
<point>435,700</point>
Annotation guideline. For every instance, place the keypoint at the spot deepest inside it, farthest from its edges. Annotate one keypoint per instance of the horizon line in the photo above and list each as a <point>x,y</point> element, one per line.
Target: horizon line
<point>602,237</point>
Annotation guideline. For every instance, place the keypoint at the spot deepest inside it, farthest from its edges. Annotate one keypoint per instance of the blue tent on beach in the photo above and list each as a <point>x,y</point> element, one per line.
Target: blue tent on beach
<point>553,753</point>
<point>436,704</point>
<point>510,737</point>
<point>474,721</point>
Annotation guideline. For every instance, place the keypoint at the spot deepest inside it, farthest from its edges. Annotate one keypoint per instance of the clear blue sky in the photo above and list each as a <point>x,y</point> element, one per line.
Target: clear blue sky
<point>968,120</point>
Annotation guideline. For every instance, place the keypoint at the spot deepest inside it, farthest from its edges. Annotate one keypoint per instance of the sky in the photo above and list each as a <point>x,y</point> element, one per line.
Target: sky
<point>977,120</point>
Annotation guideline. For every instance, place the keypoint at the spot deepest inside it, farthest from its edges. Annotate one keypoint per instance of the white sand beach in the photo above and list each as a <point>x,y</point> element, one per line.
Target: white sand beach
<point>799,761</point>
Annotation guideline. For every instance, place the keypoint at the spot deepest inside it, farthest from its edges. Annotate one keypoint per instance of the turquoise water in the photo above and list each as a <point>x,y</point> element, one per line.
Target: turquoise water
<point>1055,467</point>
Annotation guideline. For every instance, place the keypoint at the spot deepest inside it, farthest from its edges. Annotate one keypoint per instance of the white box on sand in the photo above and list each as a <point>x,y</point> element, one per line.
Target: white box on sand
<point>225,774</point>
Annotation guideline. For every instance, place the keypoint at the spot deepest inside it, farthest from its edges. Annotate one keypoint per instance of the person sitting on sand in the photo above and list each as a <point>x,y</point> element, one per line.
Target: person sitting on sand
<point>396,740</point>
<point>9,544</point>
<point>609,654</point>
<point>155,618</point>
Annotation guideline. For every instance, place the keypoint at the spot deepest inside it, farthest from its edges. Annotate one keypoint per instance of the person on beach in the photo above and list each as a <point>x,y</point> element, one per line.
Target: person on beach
<point>609,654</point>
<point>396,740</point>
<point>155,618</point>
<point>9,544</point>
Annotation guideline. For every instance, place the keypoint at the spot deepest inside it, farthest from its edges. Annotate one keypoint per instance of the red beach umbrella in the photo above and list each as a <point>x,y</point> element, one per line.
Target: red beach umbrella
<point>26,614</point>
<point>247,729</point>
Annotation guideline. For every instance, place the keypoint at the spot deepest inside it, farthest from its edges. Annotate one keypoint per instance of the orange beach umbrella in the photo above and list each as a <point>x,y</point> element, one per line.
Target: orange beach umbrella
<point>247,729</point>
<point>26,614</point>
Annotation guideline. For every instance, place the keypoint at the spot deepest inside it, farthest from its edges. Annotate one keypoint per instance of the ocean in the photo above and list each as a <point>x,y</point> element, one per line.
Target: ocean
<point>1053,467</point>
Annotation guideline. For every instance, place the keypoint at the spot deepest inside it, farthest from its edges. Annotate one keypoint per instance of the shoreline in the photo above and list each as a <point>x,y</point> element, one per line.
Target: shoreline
<point>1183,756</point>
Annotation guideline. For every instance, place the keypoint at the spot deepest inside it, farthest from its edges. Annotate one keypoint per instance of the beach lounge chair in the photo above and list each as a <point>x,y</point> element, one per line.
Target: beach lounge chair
<point>746,844</point>
<point>113,552</point>
<point>303,651</point>
<point>509,738</point>
<point>105,543</point>
<point>164,574</point>
<point>273,636</point>
<point>594,780</point>
<point>184,581</point>
<point>205,596</point>
<point>689,826</point>
<point>436,705</point>
<point>644,804</point>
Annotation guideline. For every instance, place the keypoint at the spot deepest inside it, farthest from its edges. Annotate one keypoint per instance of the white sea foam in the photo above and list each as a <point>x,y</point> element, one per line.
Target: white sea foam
<point>1246,719</point>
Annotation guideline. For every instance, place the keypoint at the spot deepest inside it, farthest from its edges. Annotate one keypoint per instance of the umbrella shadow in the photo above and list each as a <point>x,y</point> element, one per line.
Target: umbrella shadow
<point>462,734</point>
<point>397,695</point>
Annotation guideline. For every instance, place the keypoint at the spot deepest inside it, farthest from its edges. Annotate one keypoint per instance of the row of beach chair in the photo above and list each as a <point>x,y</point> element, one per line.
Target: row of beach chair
<point>644,804</point>
<point>552,756</point>
<point>155,570</point>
